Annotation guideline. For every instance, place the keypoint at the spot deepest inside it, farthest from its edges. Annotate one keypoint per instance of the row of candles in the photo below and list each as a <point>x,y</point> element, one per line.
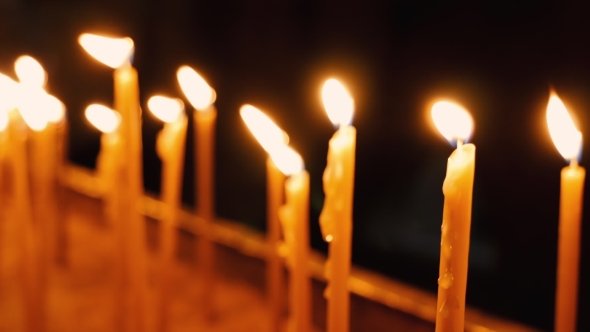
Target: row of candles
<point>119,167</point>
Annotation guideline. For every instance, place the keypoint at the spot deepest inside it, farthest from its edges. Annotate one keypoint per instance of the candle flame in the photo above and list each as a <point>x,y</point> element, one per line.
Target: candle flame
<point>29,71</point>
<point>103,118</point>
<point>452,120</point>
<point>56,110</point>
<point>31,105</point>
<point>195,88</point>
<point>8,93</point>
<point>266,132</point>
<point>113,52</point>
<point>166,109</point>
<point>287,160</point>
<point>566,137</point>
<point>338,103</point>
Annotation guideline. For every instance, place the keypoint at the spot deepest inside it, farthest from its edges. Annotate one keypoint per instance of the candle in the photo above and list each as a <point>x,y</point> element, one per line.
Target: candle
<point>455,124</point>
<point>336,215</point>
<point>202,96</point>
<point>170,147</point>
<point>117,53</point>
<point>568,141</point>
<point>294,216</point>
<point>270,137</point>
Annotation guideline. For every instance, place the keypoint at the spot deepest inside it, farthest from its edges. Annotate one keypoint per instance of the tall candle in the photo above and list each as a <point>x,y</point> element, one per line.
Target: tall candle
<point>202,96</point>
<point>294,216</point>
<point>336,215</point>
<point>117,53</point>
<point>170,147</point>
<point>271,137</point>
<point>455,124</point>
<point>568,141</point>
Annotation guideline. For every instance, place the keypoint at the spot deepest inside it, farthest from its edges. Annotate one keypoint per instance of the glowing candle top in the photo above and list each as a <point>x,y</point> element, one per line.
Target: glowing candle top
<point>103,118</point>
<point>453,121</point>
<point>55,110</point>
<point>287,160</point>
<point>266,132</point>
<point>113,52</point>
<point>566,137</point>
<point>8,93</point>
<point>195,88</point>
<point>166,109</point>
<point>30,72</point>
<point>338,103</point>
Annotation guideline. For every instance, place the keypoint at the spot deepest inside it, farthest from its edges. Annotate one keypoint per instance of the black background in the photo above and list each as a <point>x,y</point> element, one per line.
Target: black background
<point>497,59</point>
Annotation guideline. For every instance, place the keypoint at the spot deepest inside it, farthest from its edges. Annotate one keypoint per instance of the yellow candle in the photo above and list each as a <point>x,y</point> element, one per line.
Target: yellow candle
<point>116,53</point>
<point>568,141</point>
<point>202,96</point>
<point>336,215</point>
<point>270,137</point>
<point>455,123</point>
<point>170,147</point>
<point>294,216</point>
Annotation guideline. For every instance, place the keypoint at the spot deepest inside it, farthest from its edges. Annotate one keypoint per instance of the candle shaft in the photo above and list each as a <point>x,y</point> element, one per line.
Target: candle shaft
<point>452,282</point>
<point>275,277</point>
<point>572,190</point>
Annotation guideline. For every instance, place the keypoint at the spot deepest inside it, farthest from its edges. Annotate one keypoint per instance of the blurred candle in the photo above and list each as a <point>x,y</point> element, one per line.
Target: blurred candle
<point>170,147</point>
<point>117,53</point>
<point>336,215</point>
<point>270,136</point>
<point>568,141</point>
<point>202,96</point>
<point>455,124</point>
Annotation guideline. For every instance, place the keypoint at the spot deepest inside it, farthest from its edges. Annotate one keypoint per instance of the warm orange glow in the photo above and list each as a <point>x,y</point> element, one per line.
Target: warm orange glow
<point>113,52</point>
<point>287,160</point>
<point>55,109</point>
<point>166,109</point>
<point>8,93</point>
<point>3,119</point>
<point>195,88</point>
<point>452,120</point>
<point>338,103</point>
<point>566,137</point>
<point>266,132</point>
<point>103,118</point>
<point>29,71</point>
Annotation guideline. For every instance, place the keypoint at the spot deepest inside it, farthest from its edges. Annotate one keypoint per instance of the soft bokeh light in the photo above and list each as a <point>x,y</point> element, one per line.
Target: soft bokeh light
<point>4,119</point>
<point>32,106</point>
<point>195,88</point>
<point>103,118</point>
<point>166,109</point>
<point>287,160</point>
<point>338,103</point>
<point>452,120</point>
<point>266,132</point>
<point>29,71</point>
<point>113,52</point>
<point>566,137</point>
<point>8,93</point>
<point>55,109</point>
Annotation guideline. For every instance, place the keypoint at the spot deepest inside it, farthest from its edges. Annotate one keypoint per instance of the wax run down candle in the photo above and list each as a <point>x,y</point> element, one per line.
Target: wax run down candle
<point>455,124</point>
<point>336,215</point>
<point>271,137</point>
<point>117,53</point>
<point>568,141</point>
<point>170,147</point>
<point>202,96</point>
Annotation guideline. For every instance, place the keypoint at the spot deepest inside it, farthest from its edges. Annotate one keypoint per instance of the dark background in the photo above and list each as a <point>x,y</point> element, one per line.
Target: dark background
<point>497,59</point>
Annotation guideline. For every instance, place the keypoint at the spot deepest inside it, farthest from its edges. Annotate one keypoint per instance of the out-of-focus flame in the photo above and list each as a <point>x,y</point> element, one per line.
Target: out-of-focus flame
<point>30,72</point>
<point>287,160</point>
<point>566,137</point>
<point>103,118</point>
<point>338,103</point>
<point>195,88</point>
<point>452,120</point>
<point>4,119</point>
<point>55,109</point>
<point>32,105</point>
<point>166,109</point>
<point>113,52</point>
<point>266,132</point>
<point>8,93</point>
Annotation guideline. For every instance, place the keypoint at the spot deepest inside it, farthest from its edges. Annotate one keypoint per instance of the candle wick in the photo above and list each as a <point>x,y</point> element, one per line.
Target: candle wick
<point>459,144</point>
<point>574,162</point>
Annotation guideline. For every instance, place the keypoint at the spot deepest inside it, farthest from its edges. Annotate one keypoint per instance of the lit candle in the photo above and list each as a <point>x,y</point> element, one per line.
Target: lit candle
<point>202,96</point>
<point>568,141</point>
<point>455,124</point>
<point>170,147</point>
<point>270,137</point>
<point>336,215</point>
<point>117,53</point>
